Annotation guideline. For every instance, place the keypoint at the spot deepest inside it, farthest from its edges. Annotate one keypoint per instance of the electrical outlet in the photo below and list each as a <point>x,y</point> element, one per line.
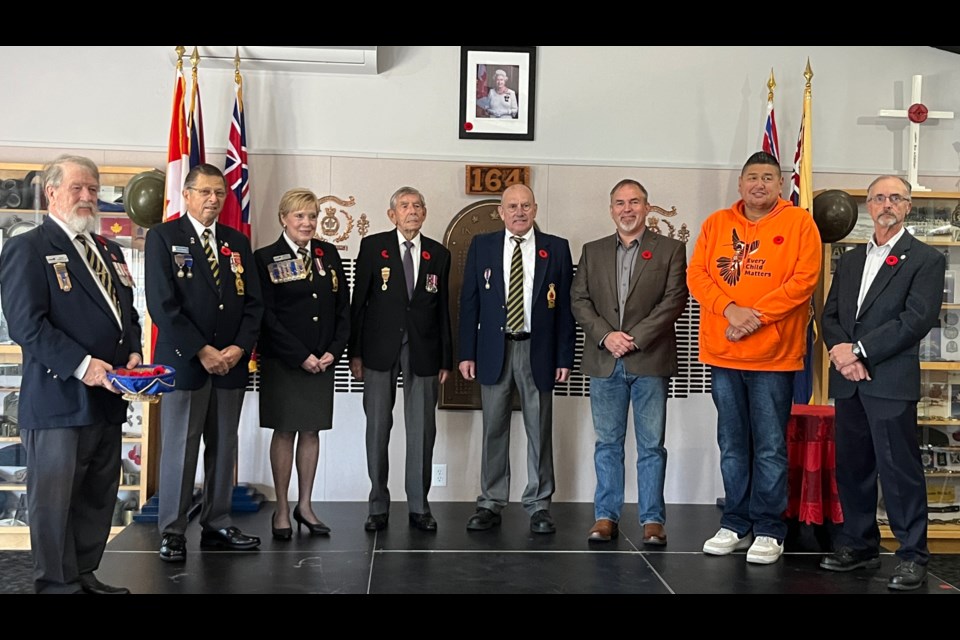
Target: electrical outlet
<point>439,475</point>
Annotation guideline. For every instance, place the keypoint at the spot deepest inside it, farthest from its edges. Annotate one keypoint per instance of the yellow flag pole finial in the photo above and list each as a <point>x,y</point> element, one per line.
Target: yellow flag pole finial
<point>808,74</point>
<point>195,60</point>
<point>237,77</point>
<point>771,85</point>
<point>180,51</point>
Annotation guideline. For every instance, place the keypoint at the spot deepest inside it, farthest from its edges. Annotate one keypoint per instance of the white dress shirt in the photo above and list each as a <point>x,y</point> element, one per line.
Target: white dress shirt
<point>876,257</point>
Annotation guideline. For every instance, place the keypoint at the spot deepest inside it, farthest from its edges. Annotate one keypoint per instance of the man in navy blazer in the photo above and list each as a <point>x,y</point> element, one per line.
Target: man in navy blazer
<point>74,320</point>
<point>400,321</point>
<point>529,346</point>
<point>207,306</point>
<point>884,298</point>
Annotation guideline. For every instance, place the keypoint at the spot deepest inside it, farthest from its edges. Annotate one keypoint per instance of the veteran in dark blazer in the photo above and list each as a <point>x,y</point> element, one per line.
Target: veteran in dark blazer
<point>884,298</point>
<point>516,328</point>
<point>400,321</point>
<point>204,298</point>
<point>306,326</point>
<point>68,300</point>
<point>629,290</point>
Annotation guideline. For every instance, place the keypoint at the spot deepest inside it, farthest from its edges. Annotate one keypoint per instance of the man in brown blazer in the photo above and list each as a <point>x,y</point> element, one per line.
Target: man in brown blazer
<point>628,291</point>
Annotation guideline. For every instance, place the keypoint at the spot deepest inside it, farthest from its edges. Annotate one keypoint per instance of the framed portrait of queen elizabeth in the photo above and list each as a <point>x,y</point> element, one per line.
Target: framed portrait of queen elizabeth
<point>497,92</point>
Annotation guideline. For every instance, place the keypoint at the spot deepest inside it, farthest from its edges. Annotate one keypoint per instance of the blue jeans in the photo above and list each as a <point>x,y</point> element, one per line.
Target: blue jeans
<point>753,408</point>
<point>609,401</point>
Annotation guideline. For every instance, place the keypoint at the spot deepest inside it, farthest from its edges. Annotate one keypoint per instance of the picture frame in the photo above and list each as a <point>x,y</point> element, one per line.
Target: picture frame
<point>497,93</point>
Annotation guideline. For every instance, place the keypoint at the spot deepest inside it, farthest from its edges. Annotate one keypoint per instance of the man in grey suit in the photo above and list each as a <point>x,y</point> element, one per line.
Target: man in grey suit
<point>629,290</point>
<point>884,298</point>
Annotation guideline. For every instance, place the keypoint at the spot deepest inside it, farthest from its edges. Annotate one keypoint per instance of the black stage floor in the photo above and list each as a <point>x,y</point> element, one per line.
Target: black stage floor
<point>505,560</point>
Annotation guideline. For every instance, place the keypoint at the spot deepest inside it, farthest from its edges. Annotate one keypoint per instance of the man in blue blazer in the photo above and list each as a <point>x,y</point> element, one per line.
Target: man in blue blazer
<point>516,329</point>
<point>68,300</point>
<point>884,298</point>
<point>203,294</point>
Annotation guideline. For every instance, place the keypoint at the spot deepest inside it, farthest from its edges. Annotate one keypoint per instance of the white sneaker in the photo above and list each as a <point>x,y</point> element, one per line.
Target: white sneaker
<point>764,550</point>
<point>725,543</point>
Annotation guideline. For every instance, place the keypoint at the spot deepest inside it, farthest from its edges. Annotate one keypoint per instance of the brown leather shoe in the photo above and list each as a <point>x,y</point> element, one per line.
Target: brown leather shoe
<point>654,534</point>
<point>604,531</point>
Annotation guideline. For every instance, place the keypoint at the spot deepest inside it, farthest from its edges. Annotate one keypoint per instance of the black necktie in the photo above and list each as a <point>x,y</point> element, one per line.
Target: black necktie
<point>211,256</point>
<point>100,269</point>
<point>305,258</point>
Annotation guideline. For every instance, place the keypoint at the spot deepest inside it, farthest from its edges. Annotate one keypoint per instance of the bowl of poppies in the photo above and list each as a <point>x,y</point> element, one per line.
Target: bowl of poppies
<point>145,383</point>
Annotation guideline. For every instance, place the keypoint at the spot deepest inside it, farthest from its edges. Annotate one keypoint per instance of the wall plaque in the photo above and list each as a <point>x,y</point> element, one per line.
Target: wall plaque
<point>490,180</point>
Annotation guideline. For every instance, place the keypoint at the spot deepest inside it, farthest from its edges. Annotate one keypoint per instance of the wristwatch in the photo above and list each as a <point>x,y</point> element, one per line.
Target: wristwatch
<point>857,351</point>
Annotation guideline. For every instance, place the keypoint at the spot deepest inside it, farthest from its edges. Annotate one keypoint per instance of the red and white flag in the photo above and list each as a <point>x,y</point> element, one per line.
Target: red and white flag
<point>178,153</point>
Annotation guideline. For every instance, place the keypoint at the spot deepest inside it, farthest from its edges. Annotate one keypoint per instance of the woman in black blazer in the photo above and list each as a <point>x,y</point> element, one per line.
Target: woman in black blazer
<point>306,325</point>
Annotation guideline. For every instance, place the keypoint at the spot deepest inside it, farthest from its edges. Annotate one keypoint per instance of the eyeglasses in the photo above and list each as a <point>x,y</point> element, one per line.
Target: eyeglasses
<point>525,207</point>
<point>206,193</point>
<point>895,198</point>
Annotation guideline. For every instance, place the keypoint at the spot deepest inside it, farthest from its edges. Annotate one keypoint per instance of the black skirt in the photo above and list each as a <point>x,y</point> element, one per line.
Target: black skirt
<point>294,400</point>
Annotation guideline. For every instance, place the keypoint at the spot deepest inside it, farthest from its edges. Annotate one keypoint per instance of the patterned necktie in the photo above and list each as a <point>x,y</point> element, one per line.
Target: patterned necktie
<point>211,256</point>
<point>305,258</point>
<point>100,269</point>
<point>515,297</point>
<point>408,267</point>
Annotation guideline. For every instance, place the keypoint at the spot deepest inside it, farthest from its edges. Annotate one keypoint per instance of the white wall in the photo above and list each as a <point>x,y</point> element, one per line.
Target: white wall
<point>679,119</point>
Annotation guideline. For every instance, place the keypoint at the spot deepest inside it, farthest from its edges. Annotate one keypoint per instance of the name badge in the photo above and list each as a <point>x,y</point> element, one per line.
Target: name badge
<point>179,249</point>
<point>285,256</point>
<point>60,257</point>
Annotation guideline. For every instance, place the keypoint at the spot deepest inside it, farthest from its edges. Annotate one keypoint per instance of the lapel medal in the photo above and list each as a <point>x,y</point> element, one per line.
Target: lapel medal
<point>334,283</point>
<point>235,265</point>
<point>123,273</point>
<point>385,274</point>
<point>320,268</point>
<point>486,276</point>
<point>188,263</point>
<point>551,296</point>
<point>63,278</point>
<point>180,260</point>
<point>431,283</point>
<point>238,282</point>
<point>274,270</point>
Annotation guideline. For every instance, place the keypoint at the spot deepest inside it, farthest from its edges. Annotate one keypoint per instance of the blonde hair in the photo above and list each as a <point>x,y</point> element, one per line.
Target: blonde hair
<point>297,199</point>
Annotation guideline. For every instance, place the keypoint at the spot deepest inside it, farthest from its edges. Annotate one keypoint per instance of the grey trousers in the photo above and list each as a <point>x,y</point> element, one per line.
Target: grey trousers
<point>537,409</point>
<point>72,480</point>
<point>420,422</point>
<point>185,417</point>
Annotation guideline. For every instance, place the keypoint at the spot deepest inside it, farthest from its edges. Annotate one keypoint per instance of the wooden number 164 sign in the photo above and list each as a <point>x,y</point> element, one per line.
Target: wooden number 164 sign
<point>484,180</point>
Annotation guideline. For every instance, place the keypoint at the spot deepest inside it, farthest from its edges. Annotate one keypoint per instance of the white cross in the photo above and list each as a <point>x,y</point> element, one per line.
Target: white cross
<point>917,113</point>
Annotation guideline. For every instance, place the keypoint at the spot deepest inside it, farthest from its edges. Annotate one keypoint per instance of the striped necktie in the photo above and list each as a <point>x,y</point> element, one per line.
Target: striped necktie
<point>211,256</point>
<point>515,297</point>
<point>305,258</point>
<point>100,269</point>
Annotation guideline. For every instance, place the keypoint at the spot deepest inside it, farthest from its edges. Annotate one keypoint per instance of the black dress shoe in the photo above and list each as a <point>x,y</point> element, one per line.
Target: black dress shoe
<point>282,533</point>
<point>229,538</point>
<point>423,521</point>
<point>90,584</point>
<point>173,548</point>
<point>847,559</point>
<point>908,576</point>
<point>376,522</point>
<point>541,522</point>
<point>482,520</point>
<point>315,528</point>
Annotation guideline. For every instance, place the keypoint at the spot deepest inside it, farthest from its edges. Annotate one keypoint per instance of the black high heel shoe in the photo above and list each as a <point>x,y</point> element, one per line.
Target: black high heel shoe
<point>318,529</point>
<point>280,534</point>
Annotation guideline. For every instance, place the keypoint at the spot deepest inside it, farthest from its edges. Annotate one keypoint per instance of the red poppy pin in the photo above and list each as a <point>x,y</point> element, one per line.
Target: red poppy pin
<point>101,240</point>
<point>892,260</point>
<point>778,240</point>
<point>385,255</point>
<point>225,250</point>
<point>319,252</point>
<point>542,253</point>
<point>646,255</point>
<point>425,255</point>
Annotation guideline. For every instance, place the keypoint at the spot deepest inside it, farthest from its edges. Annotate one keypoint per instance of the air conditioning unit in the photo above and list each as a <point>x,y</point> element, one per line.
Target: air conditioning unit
<point>331,59</point>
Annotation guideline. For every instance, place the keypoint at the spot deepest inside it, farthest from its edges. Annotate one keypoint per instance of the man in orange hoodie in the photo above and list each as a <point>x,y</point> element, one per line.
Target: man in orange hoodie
<point>753,270</point>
